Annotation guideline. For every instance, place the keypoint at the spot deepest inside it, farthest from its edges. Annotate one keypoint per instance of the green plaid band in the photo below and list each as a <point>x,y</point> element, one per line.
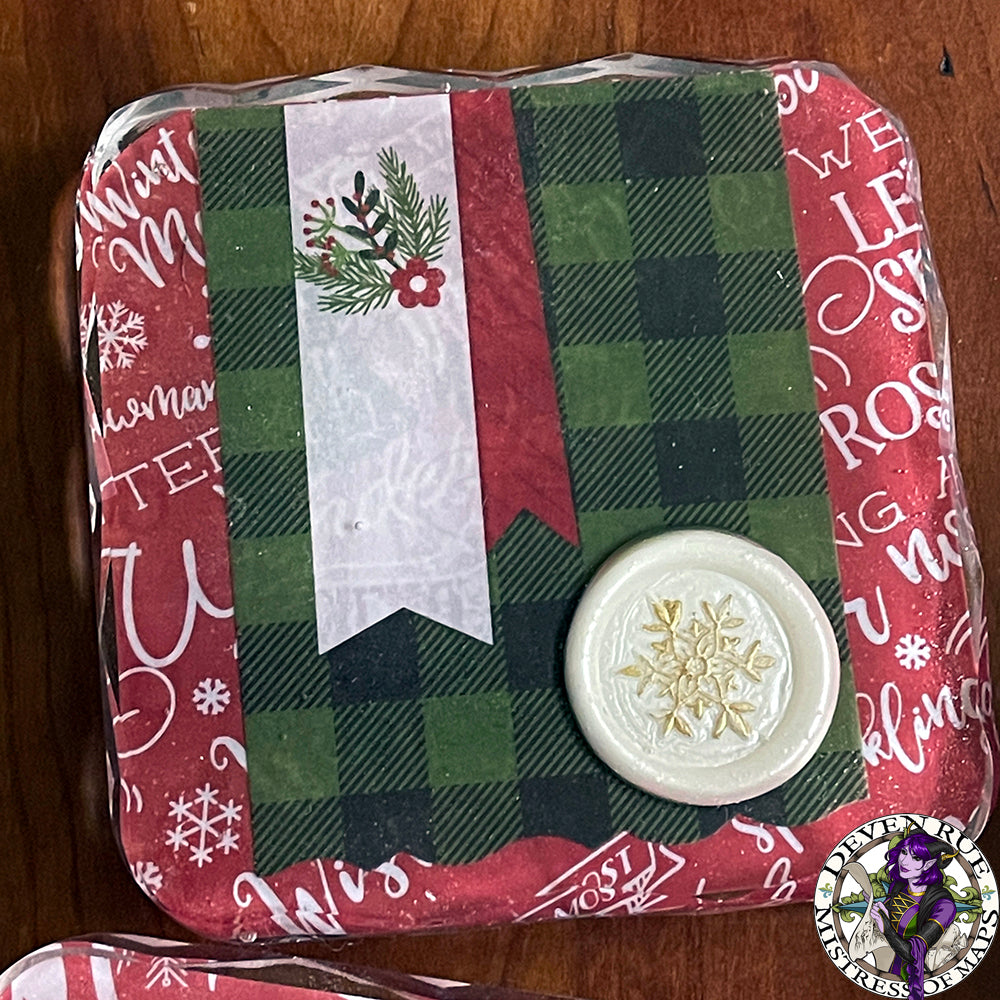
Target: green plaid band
<point>671,290</point>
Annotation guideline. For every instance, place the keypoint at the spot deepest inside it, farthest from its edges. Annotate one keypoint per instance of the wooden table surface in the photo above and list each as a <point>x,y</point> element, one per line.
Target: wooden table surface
<point>66,64</point>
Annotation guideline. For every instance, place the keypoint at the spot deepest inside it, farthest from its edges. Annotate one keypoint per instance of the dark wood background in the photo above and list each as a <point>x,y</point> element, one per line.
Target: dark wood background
<point>66,64</point>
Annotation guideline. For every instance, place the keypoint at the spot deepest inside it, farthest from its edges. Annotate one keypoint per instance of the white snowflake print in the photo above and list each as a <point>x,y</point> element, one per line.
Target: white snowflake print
<point>87,312</point>
<point>211,696</point>
<point>147,874</point>
<point>204,825</point>
<point>166,971</point>
<point>913,651</point>
<point>121,333</point>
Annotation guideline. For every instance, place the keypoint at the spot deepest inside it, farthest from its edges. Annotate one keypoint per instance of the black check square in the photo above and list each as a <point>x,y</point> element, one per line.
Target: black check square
<point>575,807</point>
<point>767,808</point>
<point>660,137</point>
<point>378,826</point>
<point>699,461</point>
<point>680,297</point>
<point>670,217</point>
<point>614,467</point>
<point>535,634</point>
<point>254,328</point>
<point>378,664</point>
<point>689,379</point>
<point>524,128</point>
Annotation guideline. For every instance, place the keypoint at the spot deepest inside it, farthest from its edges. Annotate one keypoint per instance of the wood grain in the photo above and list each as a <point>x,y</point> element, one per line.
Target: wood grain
<point>64,65</point>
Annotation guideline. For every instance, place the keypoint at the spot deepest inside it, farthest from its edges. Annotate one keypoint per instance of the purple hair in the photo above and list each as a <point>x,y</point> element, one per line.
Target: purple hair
<point>920,845</point>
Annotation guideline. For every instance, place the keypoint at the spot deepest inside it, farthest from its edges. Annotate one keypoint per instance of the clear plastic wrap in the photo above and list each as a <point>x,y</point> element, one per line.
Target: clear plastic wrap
<point>650,253</point>
<point>127,967</point>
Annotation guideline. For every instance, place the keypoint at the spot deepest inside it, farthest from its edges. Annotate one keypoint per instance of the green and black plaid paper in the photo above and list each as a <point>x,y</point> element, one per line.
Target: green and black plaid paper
<point>671,290</point>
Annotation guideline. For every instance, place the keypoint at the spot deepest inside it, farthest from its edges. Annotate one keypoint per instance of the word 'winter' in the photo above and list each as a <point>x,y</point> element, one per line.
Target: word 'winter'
<point>119,207</point>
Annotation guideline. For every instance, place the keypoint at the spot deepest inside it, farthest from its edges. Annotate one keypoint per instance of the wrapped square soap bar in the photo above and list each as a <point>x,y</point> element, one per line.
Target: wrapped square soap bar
<point>125,968</point>
<point>520,497</point>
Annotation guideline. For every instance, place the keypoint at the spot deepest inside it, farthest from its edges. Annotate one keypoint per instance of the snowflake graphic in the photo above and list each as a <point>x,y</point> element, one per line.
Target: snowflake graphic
<point>695,668</point>
<point>121,333</point>
<point>913,652</point>
<point>166,971</point>
<point>211,696</point>
<point>88,312</point>
<point>147,874</point>
<point>204,825</point>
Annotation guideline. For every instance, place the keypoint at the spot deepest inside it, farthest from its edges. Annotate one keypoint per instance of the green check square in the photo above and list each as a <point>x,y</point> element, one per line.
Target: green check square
<point>292,755</point>
<point>557,94</point>
<point>613,467</point>
<point>593,302</point>
<point>843,732</point>
<point>603,531</point>
<point>474,820</point>
<point>586,222</point>
<point>381,747</point>
<point>605,385</point>
<point>772,372</point>
<point>454,663</point>
<point>260,409</point>
<point>249,248</point>
<point>470,739</point>
<point>262,182</point>
<point>738,81</point>
<point>237,119</point>
<point>272,579</point>
<point>751,211</point>
<point>533,563</point>
<point>575,145</point>
<point>800,530</point>
<point>548,740</point>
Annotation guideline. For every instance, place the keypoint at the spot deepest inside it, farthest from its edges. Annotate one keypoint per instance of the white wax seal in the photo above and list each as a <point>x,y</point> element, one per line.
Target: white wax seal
<point>701,667</point>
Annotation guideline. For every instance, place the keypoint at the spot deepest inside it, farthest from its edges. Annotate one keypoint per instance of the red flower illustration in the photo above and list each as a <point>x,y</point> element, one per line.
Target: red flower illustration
<point>418,284</point>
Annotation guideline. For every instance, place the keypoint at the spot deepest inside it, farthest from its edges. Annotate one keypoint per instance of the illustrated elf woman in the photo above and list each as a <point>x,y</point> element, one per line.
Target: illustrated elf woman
<point>916,912</point>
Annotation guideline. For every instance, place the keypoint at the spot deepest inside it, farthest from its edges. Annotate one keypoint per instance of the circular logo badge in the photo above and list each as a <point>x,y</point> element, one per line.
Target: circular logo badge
<point>906,906</point>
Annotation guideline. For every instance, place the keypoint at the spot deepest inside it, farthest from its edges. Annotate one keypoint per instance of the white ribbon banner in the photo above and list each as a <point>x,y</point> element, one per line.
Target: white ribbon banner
<point>394,490</point>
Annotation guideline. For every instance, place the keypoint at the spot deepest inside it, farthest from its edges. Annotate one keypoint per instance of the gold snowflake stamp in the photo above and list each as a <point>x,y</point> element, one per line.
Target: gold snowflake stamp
<point>697,668</point>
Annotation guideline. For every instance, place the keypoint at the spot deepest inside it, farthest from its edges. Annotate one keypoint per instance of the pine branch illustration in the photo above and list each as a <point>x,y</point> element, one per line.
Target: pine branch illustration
<point>422,230</point>
<point>437,222</point>
<point>314,269</point>
<point>360,286</point>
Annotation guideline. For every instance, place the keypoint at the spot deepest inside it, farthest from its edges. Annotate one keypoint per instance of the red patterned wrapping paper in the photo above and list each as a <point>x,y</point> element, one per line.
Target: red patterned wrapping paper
<point>877,329</point>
